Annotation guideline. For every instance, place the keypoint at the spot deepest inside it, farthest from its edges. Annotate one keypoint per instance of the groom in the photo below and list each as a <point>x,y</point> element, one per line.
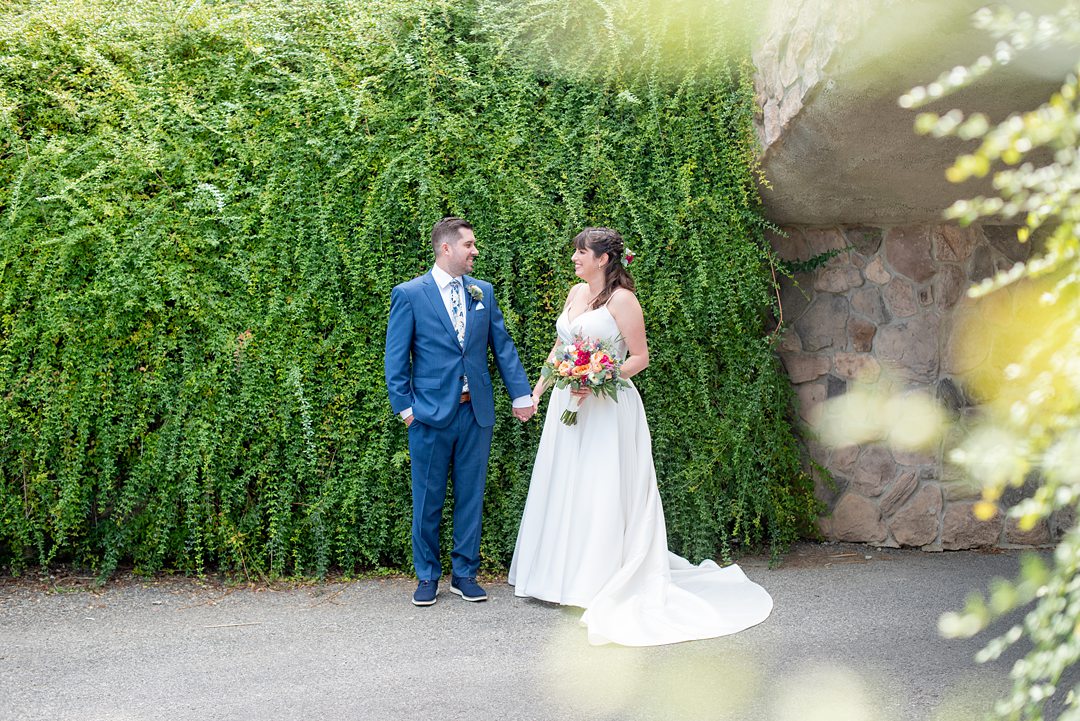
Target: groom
<point>437,338</point>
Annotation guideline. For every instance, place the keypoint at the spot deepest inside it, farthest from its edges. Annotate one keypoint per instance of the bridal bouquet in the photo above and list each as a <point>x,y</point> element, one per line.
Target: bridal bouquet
<point>584,363</point>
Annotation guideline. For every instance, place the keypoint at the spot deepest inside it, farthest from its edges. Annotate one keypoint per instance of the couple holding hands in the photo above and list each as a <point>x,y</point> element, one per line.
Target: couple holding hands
<point>592,534</point>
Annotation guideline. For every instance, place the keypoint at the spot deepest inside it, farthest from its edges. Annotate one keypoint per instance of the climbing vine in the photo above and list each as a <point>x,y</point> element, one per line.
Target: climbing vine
<point>204,206</point>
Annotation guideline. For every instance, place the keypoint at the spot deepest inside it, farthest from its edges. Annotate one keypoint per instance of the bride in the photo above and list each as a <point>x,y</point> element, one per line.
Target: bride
<point>593,534</point>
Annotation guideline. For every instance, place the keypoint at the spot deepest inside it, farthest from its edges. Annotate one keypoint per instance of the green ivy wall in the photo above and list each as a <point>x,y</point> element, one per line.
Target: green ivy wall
<point>204,205</point>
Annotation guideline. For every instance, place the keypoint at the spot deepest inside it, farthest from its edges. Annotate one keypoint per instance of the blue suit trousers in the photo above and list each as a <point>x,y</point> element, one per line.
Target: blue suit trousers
<point>458,452</point>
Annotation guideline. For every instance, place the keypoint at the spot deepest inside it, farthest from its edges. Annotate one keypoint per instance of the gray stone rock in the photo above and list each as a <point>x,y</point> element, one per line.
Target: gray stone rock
<point>857,519</point>
<point>910,348</point>
<point>789,341</point>
<point>961,489</point>
<point>802,367</point>
<point>817,451</point>
<point>822,240</point>
<point>838,279</point>
<point>1037,536</point>
<point>810,396</point>
<point>900,491</point>
<point>1061,521</point>
<point>900,298</point>
<point>1001,263</point>
<point>1003,237</point>
<point>874,473</point>
<point>916,458</point>
<point>865,240</point>
<point>795,298</point>
<point>982,264</point>
<point>856,366</point>
<point>916,524</point>
<point>828,487</point>
<point>1014,494</point>
<point>960,529</point>
<point>954,244</point>
<point>926,295</point>
<point>949,285</point>
<point>867,302</point>
<point>950,395</point>
<point>771,120</point>
<point>834,386</point>
<point>908,250</point>
<point>861,334</point>
<point>843,459</point>
<point>788,244</point>
<point>824,324</point>
<point>876,273</point>
<point>789,73</point>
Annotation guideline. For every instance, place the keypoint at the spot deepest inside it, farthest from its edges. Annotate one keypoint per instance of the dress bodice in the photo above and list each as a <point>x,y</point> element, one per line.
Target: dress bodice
<point>596,323</point>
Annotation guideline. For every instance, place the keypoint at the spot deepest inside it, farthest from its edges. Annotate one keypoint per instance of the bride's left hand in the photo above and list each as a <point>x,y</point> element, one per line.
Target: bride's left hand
<point>581,393</point>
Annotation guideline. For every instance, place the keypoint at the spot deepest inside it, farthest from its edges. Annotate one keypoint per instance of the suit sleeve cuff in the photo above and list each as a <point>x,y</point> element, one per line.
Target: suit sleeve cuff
<point>406,413</point>
<point>523,402</point>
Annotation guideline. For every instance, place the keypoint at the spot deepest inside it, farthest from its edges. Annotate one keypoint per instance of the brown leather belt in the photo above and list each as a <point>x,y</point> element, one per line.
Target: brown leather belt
<point>465,397</point>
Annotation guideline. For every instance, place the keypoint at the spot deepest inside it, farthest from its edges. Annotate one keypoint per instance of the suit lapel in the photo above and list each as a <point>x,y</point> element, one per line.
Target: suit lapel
<point>431,290</point>
<point>470,305</point>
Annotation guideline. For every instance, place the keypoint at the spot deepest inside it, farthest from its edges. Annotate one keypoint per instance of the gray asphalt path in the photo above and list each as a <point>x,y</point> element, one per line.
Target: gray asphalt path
<point>850,638</point>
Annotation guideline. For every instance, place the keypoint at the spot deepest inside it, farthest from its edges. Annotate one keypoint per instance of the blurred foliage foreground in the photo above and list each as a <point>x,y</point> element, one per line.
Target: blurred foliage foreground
<point>1026,359</point>
<point>204,206</point>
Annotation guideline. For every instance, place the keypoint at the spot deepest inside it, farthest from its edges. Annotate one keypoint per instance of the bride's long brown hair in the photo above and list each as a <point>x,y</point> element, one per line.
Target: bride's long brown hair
<point>601,241</point>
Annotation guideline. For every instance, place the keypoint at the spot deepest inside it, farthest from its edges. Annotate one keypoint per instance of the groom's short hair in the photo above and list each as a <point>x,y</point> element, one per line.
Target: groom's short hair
<point>447,230</point>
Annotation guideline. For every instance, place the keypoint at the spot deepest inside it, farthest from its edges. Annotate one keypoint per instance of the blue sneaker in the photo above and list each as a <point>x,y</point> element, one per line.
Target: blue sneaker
<point>467,588</point>
<point>425,594</point>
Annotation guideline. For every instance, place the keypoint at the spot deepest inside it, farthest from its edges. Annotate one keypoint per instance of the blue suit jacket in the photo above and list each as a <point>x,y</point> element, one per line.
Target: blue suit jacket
<point>424,364</point>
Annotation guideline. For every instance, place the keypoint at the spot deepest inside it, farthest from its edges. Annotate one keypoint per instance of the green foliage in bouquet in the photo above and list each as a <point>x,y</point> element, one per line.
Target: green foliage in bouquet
<point>204,206</point>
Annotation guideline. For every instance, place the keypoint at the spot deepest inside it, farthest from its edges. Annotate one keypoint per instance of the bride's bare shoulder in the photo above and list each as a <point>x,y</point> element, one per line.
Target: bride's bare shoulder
<point>574,290</point>
<point>624,298</point>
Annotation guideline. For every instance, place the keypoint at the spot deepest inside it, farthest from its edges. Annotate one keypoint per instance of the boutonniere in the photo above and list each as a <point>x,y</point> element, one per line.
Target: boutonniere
<point>475,292</point>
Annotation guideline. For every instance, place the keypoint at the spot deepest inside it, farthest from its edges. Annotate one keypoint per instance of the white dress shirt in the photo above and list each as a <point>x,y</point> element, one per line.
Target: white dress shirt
<point>442,280</point>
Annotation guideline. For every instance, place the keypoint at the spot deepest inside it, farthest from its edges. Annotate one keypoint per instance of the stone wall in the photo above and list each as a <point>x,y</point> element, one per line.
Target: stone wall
<point>798,41</point>
<point>889,303</point>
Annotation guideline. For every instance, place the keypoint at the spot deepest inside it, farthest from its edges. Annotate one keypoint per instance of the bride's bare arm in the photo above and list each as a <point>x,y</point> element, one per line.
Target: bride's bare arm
<point>626,310</point>
<point>540,387</point>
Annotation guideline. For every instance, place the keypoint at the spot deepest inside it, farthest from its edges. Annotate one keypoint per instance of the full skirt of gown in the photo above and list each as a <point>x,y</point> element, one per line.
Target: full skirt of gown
<point>593,534</point>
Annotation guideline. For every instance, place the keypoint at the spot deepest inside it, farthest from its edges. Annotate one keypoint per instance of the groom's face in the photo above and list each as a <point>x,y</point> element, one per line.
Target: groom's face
<point>460,255</point>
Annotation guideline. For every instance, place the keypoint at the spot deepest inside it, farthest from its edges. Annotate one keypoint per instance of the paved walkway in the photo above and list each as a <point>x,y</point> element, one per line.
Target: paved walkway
<point>852,637</point>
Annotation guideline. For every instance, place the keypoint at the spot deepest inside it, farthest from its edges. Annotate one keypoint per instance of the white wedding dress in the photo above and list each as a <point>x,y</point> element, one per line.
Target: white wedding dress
<point>593,534</point>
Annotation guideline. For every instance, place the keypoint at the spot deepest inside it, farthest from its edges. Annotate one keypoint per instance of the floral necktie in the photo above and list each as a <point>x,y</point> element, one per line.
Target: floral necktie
<point>457,310</point>
<point>457,314</point>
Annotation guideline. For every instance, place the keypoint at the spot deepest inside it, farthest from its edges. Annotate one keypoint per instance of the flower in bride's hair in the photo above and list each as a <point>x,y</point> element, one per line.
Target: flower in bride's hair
<point>475,292</point>
<point>628,257</point>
